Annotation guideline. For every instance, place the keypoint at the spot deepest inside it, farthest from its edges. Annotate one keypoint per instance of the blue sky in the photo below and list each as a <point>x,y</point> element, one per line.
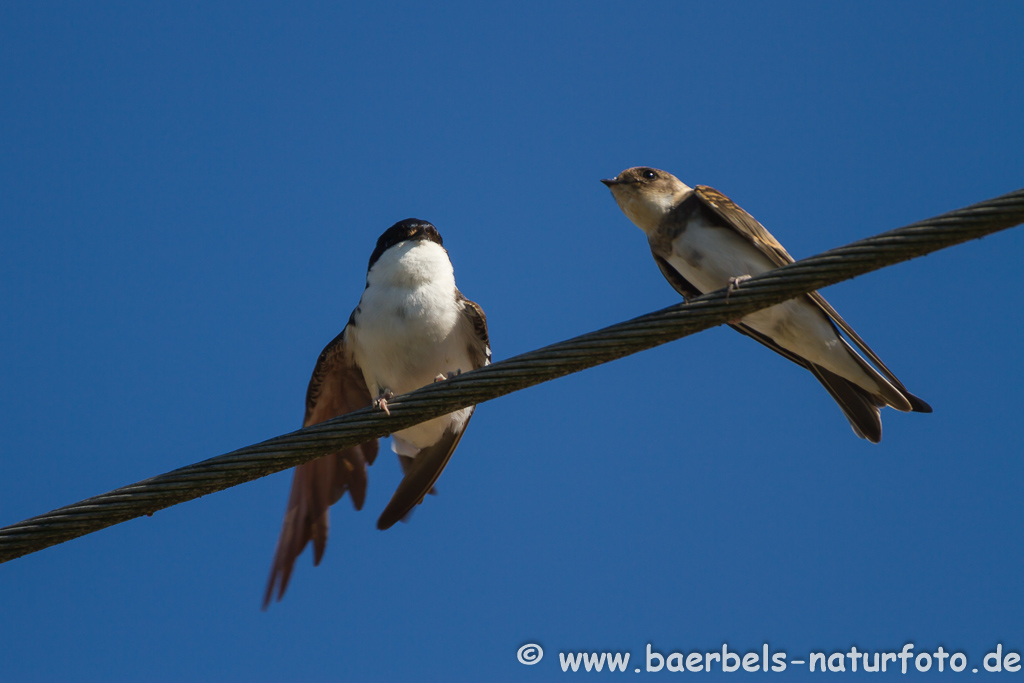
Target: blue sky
<point>188,198</point>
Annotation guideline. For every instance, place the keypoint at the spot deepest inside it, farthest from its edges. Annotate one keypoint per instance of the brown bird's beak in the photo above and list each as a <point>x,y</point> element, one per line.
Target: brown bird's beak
<point>611,181</point>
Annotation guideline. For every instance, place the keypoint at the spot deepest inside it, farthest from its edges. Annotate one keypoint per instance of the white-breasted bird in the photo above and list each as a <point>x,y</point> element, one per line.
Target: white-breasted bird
<point>702,242</point>
<point>412,327</point>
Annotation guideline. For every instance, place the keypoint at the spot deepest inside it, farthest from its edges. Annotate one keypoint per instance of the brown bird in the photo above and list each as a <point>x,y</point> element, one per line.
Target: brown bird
<point>702,242</point>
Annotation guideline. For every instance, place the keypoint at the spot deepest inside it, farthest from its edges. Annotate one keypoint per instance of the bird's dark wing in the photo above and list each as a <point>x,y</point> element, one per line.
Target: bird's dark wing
<point>480,343</point>
<point>917,405</point>
<point>859,406</point>
<point>678,282</point>
<point>424,470</point>
<point>747,226</point>
<point>743,223</point>
<point>336,387</point>
<point>426,467</point>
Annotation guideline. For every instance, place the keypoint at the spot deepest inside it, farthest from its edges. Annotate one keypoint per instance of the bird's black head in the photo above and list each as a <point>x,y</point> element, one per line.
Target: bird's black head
<point>402,231</point>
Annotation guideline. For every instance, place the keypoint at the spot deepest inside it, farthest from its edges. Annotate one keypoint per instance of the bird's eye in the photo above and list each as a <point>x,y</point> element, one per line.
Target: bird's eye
<point>649,174</point>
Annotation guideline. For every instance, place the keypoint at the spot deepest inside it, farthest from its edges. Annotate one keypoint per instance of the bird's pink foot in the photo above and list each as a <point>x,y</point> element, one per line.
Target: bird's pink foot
<point>382,400</point>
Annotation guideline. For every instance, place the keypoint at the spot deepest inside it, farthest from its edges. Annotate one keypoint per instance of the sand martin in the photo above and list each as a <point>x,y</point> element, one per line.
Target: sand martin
<point>412,327</point>
<point>702,241</point>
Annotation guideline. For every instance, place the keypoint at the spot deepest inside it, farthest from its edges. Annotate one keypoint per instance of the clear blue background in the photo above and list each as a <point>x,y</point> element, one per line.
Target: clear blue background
<point>188,198</point>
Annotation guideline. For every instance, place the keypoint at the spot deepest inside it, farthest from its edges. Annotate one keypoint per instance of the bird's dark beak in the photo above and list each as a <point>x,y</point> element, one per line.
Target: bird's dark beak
<point>611,181</point>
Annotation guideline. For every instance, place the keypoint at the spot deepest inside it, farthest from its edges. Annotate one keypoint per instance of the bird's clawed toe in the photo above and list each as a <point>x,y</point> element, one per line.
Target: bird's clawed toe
<point>443,376</point>
<point>734,283</point>
<point>382,400</point>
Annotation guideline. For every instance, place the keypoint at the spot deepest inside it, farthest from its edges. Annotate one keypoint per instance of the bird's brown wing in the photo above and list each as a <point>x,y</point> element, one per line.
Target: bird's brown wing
<point>336,387</point>
<point>678,282</point>
<point>480,343</point>
<point>419,479</point>
<point>428,464</point>
<point>917,405</point>
<point>859,406</point>
<point>744,224</point>
<point>747,226</point>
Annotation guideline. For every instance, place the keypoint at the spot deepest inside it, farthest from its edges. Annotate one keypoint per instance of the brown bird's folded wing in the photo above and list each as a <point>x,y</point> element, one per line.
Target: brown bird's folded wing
<point>755,233</point>
<point>426,467</point>
<point>336,387</point>
<point>917,405</point>
<point>743,223</point>
<point>859,406</point>
<point>678,282</point>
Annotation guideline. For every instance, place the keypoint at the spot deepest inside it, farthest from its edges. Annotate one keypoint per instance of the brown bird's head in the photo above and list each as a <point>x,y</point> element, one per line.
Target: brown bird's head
<point>646,194</point>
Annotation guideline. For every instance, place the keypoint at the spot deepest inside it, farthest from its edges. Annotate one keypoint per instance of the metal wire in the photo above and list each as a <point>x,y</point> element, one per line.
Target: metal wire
<point>513,374</point>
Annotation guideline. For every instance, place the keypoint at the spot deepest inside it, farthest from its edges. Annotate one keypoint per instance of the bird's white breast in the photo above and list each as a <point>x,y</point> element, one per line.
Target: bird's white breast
<point>707,256</point>
<point>407,329</point>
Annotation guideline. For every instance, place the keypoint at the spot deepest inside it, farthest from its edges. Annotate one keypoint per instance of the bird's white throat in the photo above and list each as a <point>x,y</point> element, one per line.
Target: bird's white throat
<point>647,209</point>
<point>412,264</point>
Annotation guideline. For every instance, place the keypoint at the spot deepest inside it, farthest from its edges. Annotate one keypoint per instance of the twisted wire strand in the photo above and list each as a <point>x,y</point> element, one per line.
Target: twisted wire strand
<point>504,377</point>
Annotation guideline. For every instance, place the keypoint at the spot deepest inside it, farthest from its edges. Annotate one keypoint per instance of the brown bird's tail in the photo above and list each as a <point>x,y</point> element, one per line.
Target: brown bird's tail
<point>860,406</point>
